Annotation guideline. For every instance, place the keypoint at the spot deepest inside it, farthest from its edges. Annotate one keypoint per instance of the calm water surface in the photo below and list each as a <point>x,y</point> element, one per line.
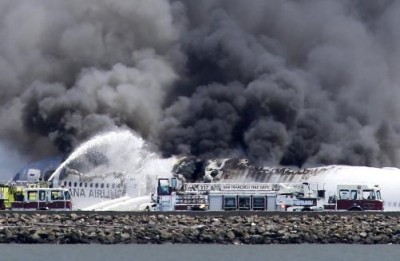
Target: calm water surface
<point>200,252</point>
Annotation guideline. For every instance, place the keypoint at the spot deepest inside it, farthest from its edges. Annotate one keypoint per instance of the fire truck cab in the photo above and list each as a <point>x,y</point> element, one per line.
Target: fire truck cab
<point>356,198</point>
<point>34,197</point>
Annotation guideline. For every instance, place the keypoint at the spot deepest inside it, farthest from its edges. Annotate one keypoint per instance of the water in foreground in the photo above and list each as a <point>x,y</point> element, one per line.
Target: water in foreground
<point>304,252</point>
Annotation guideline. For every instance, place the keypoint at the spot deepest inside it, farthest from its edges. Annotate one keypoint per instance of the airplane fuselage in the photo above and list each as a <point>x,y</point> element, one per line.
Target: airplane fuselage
<point>87,190</point>
<point>90,190</point>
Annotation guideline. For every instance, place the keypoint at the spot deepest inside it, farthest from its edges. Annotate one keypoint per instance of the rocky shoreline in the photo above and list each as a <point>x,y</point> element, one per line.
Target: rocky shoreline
<point>149,228</point>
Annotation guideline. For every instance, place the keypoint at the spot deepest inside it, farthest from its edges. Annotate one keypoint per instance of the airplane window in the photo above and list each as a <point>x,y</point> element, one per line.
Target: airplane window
<point>85,185</point>
<point>102,185</point>
<point>91,185</point>
<point>65,183</point>
<point>69,184</point>
<point>108,185</point>
<point>80,184</point>
<point>75,184</point>
<point>96,185</point>
<point>113,185</point>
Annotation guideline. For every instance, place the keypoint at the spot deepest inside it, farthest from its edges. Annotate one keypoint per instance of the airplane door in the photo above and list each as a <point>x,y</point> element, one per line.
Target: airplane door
<point>132,187</point>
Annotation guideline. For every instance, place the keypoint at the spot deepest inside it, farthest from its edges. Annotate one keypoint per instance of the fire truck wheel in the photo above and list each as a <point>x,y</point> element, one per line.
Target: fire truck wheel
<point>355,209</point>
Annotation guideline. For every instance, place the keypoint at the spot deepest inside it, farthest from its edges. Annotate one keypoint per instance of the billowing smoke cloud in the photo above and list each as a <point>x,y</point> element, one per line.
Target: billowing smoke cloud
<point>289,82</point>
<point>72,69</point>
<point>280,82</point>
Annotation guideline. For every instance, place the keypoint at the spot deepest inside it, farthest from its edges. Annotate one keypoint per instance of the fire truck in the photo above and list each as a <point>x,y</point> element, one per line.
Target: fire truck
<point>172,196</point>
<point>355,198</point>
<point>33,196</point>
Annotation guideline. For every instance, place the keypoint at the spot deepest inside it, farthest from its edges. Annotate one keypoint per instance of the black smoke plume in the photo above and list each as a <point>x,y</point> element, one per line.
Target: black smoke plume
<point>279,82</point>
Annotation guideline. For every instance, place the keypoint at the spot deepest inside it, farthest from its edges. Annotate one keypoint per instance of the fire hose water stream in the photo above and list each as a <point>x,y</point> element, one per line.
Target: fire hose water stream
<point>117,152</point>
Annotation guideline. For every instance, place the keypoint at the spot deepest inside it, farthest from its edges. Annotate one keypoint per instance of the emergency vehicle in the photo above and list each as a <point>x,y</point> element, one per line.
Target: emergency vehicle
<point>33,196</point>
<point>356,198</point>
<point>172,196</point>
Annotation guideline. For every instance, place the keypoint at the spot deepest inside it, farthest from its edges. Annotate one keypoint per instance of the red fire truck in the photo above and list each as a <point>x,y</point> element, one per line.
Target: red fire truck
<point>233,196</point>
<point>355,198</point>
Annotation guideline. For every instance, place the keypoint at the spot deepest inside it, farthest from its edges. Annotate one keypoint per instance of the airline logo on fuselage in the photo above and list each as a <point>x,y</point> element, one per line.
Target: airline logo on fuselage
<point>96,193</point>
